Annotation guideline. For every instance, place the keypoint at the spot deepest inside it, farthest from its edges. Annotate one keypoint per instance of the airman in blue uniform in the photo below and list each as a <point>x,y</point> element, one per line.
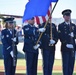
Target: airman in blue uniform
<point>67,35</point>
<point>8,37</point>
<point>31,34</point>
<point>48,47</point>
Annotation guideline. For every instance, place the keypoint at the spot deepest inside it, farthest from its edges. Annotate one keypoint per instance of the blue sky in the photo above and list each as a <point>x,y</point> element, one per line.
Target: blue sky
<point>16,7</point>
<point>65,4</point>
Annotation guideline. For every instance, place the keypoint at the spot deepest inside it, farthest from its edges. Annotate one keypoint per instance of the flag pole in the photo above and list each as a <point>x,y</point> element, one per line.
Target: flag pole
<point>46,23</point>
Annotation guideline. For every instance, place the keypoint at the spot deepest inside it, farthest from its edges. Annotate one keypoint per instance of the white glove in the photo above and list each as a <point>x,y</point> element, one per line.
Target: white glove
<point>11,53</point>
<point>41,29</point>
<point>71,34</point>
<point>69,46</point>
<point>75,41</point>
<point>52,41</point>
<point>36,46</point>
<point>14,39</point>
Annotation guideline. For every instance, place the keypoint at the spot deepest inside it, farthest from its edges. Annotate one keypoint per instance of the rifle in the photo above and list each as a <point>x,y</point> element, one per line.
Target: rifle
<point>14,49</point>
<point>71,40</point>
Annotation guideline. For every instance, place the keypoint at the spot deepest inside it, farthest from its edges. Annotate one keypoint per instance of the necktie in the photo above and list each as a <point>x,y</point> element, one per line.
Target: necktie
<point>10,31</point>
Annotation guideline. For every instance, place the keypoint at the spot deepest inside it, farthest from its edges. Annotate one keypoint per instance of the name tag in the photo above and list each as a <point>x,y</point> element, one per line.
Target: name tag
<point>27,29</point>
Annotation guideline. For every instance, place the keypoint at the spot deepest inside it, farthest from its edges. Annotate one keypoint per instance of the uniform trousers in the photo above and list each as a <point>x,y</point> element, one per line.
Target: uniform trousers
<point>48,61</point>
<point>68,61</point>
<point>31,63</point>
<point>9,68</point>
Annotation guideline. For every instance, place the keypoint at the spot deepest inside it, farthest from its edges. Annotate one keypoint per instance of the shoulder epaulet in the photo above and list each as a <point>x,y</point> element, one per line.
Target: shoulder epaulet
<point>3,30</point>
<point>72,23</point>
<point>54,24</point>
<point>61,24</point>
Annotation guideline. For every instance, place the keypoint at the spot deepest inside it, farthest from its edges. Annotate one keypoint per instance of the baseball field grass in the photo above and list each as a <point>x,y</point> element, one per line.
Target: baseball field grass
<point>21,67</point>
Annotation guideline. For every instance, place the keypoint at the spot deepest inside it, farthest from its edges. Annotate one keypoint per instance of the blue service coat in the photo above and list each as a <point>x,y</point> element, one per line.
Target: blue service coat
<point>7,42</point>
<point>30,38</point>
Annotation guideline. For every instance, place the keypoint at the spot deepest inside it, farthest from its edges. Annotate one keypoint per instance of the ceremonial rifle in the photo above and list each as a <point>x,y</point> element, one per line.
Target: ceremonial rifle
<point>71,40</point>
<point>13,46</point>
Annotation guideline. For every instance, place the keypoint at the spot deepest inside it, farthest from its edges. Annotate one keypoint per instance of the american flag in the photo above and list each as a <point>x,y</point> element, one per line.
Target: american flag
<point>41,19</point>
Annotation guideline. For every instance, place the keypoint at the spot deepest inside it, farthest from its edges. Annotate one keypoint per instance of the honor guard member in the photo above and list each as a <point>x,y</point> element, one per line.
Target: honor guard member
<point>7,40</point>
<point>48,47</point>
<point>67,34</point>
<point>31,34</point>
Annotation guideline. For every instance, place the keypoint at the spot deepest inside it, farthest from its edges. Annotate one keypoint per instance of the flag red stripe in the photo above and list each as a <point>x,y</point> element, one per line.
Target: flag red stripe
<point>48,12</point>
<point>44,19</point>
<point>37,20</point>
